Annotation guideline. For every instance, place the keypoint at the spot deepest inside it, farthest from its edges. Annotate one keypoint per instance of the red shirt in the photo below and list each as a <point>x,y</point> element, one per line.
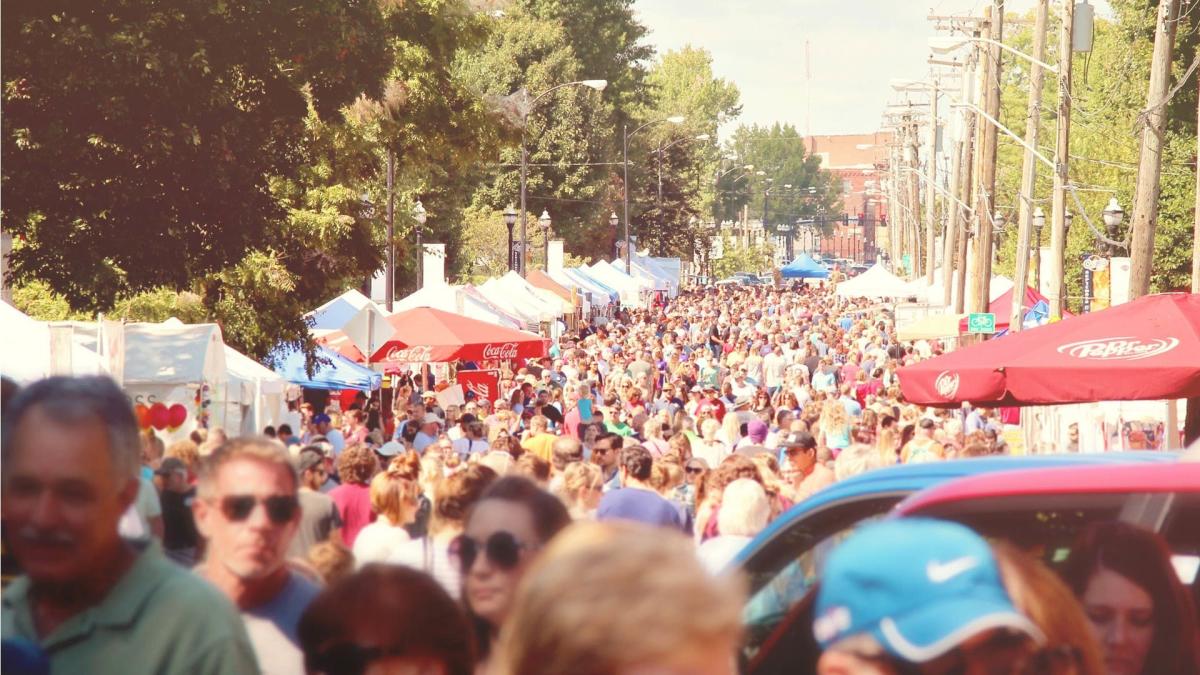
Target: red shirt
<point>354,506</point>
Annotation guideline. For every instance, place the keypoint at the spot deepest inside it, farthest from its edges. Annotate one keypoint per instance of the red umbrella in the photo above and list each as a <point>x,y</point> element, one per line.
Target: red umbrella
<point>1148,349</point>
<point>427,335</point>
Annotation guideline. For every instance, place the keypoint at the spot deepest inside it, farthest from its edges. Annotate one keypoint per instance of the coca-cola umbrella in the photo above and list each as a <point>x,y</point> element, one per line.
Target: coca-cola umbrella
<point>1148,349</point>
<point>427,335</point>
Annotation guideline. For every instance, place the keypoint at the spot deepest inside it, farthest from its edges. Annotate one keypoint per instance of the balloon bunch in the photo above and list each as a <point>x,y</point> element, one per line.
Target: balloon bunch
<point>159,416</point>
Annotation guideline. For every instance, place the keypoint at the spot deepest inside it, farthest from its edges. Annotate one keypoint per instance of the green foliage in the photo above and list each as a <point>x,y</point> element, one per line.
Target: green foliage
<point>138,138</point>
<point>40,302</point>
<point>158,305</point>
<point>757,258</point>
<point>779,159</point>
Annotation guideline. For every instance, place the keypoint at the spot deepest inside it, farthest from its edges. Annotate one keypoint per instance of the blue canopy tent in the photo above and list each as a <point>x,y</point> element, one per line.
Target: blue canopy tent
<point>340,373</point>
<point>804,267</point>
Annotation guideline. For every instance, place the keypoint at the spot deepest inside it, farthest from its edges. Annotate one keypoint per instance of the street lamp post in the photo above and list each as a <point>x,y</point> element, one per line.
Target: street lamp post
<point>1113,215</point>
<point>510,219</point>
<point>420,216</point>
<point>598,85</point>
<point>613,222</point>
<point>544,221</point>
<point>626,134</point>
<point>1039,223</point>
<point>659,152</point>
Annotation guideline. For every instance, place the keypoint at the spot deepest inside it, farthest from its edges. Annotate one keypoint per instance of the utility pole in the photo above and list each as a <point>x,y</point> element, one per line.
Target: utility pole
<point>985,199</point>
<point>930,187</point>
<point>895,213</point>
<point>389,293</point>
<point>914,198</point>
<point>953,210</point>
<point>1154,119</point>
<point>1029,166</point>
<point>971,169</point>
<point>1196,220</point>
<point>1057,283</point>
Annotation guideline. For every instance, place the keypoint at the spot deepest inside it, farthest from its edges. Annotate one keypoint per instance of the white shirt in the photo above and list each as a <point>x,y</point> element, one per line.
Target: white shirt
<point>378,542</point>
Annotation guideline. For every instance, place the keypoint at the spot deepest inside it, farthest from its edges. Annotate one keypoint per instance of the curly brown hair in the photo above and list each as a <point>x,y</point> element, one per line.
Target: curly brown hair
<point>357,464</point>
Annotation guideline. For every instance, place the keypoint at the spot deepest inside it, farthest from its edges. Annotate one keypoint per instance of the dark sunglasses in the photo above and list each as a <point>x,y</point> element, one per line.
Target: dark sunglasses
<point>694,470</point>
<point>502,549</point>
<point>280,508</point>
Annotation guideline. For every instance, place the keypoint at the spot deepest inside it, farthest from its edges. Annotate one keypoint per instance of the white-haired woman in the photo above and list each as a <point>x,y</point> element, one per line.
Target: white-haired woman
<point>710,448</point>
<point>745,511</point>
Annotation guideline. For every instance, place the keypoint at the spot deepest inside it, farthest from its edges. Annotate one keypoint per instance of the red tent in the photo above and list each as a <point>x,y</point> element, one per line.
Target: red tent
<point>1147,349</point>
<point>427,335</point>
<point>1002,308</point>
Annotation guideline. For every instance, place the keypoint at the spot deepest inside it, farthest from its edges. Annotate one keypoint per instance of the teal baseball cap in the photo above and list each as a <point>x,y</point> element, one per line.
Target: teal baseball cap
<point>920,587</point>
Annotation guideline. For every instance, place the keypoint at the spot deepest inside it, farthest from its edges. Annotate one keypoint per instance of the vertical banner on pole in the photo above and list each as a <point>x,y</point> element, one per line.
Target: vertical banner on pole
<point>1087,283</point>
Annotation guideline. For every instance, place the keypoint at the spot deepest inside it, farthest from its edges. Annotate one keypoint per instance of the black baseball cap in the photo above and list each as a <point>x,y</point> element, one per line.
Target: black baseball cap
<point>799,439</point>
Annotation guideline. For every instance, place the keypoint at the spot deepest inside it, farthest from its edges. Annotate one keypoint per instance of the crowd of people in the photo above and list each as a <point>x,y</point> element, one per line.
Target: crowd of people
<point>583,522</point>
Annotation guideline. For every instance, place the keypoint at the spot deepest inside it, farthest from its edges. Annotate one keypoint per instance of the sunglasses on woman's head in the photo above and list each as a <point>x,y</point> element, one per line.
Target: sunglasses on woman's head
<point>502,548</point>
<point>280,508</point>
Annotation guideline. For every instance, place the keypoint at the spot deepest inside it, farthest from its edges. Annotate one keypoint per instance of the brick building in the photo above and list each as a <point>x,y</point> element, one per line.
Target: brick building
<point>860,161</point>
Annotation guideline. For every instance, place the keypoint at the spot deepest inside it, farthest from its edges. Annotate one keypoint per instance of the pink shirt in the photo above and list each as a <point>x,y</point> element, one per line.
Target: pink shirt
<point>354,506</point>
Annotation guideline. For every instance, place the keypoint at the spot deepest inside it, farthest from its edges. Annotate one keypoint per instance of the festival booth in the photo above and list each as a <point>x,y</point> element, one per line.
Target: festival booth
<point>464,300</point>
<point>875,283</point>
<point>1144,350</point>
<point>545,283</point>
<point>804,267</point>
<point>425,336</point>
<point>333,371</point>
<point>629,288</point>
<point>953,326</point>
<point>356,315</point>
<point>672,268</point>
<point>604,300</point>
<point>935,294</point>
<point>262,399</point>
<point>513,294</point>
<point>177,378</point>
<point>27,351</point>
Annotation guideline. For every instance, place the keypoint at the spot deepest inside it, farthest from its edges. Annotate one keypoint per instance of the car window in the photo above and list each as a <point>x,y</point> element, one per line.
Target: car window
<point>783,571</point>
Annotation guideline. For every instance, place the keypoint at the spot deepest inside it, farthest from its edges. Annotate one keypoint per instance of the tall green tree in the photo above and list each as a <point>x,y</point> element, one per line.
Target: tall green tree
<point>139,138</point>
<point>779,158</point>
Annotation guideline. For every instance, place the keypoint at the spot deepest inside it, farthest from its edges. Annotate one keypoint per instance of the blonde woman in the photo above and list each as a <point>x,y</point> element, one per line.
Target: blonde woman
<point>621,597</point>
<point>394,501</point>
<point>731,430</point>
<point>833,431</point>
<point>581,489</point>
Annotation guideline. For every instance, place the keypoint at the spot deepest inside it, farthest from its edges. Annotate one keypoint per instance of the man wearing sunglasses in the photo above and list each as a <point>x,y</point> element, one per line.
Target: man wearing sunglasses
<point>248,511</point>
<point>89,601</point>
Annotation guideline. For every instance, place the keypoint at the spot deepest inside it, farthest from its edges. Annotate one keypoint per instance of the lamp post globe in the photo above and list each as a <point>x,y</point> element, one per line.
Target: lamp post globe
<point>1113,214</point>
<point>544,222</point>
<point>510,219</point>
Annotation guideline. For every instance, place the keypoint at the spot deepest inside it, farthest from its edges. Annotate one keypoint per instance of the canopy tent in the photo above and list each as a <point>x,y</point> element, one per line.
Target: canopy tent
<point>511,291</point>
<point>1001,307</point>
<point>935,294</point>
<point>804,267</point>
<point>426,335</point>
<point>262,392</point>
<point>1142,350</point>
<point>173,354</point>
<point>642,270</point>
<point>673,267</point>
<point>356,315</point>
<point>545,282</point>
<point>629,288</point>
<point>876,282</point>
<point>25,351</point>
<point>607,293</point>
<point>333,371</point>
<point>462,300</point>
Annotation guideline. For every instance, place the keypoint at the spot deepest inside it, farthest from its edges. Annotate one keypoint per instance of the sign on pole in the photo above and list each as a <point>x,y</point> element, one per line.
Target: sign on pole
<point>981,322</point>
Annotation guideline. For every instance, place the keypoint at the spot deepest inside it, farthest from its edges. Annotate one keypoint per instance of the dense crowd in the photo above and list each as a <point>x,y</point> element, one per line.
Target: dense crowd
<point>583,522</point>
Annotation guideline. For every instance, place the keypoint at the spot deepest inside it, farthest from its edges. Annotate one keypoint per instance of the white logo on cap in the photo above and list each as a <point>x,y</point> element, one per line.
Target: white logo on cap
<point>941,572</point>
<point>832,623</point>
<point>946,384</point>
<point>1118,348</point>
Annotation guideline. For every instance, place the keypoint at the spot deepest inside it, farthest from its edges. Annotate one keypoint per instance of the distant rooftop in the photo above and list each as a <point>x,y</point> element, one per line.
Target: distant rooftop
<point>850,151</point>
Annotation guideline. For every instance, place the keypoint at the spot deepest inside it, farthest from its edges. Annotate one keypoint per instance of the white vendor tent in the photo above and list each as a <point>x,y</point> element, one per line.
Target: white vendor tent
<point>876,282</point>
<point>642,271</point>
<point>935,294</point>
<point>169,363</point>
<point>512,294</point>
<point>261,393</point>
<point>25,350</point>
<point>629,287</point>
<point>462,300</point>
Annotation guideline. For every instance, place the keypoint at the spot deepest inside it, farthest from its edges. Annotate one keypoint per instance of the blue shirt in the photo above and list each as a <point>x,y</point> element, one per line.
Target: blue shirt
<point>639,505</point>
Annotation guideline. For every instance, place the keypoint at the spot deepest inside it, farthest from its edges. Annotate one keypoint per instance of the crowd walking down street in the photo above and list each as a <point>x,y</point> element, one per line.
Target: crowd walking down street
<point>589,520</point>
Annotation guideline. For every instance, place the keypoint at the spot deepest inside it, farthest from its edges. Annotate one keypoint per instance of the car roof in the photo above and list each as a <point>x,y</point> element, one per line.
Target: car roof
<point>905,479</point>
<point>1130,478</point>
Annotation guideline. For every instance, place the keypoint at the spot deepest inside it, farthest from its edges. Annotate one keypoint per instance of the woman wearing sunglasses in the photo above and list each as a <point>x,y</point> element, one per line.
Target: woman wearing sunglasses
<point>505,530</point>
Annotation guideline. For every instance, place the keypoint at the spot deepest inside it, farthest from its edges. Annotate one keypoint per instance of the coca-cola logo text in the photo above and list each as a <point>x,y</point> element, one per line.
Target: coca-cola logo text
<point>480,389</point>
<point>1118,348</point>
<point>410,354</point>
<point>508,350</point>
<point>946,384</point>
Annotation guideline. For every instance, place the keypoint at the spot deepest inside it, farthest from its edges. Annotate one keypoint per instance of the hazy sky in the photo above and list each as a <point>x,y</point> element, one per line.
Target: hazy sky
<point>856,47</point>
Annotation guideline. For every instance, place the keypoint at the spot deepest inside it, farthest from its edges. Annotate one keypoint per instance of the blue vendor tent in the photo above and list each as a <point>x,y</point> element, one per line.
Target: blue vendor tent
<point>333,371</point>
<point>804,267</point>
